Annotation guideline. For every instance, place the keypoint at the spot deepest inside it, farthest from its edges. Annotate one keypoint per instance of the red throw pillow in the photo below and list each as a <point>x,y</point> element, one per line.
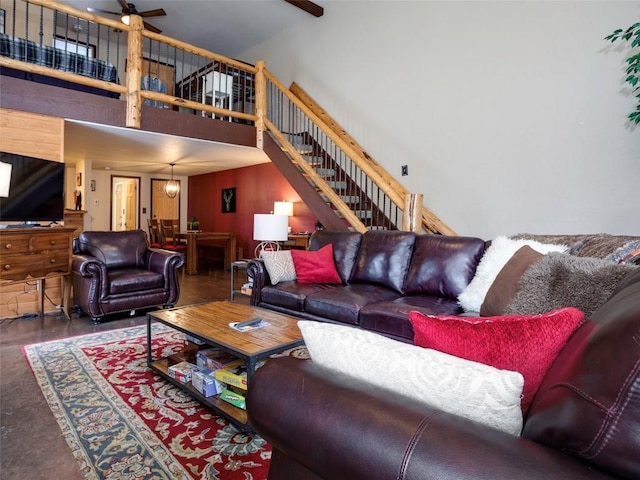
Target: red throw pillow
<point>315,266</point>
<point>525,344</point>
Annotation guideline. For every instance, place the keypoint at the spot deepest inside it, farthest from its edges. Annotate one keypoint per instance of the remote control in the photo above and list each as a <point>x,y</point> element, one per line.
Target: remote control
<point>246,323</point>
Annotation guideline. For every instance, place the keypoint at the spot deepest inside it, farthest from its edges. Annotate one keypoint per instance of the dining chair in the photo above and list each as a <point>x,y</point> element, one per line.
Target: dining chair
<point>155,236</point>
<point>169,229</point>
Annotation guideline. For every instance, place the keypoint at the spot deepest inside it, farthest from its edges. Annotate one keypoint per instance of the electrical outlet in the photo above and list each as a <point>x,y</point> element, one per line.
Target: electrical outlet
<point>405,170</point>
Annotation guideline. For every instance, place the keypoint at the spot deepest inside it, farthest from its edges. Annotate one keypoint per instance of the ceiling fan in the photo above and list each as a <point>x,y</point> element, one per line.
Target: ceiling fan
<point>130,9</point>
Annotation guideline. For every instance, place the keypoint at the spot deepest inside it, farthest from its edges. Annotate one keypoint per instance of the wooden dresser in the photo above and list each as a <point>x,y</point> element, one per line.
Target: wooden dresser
<point>35,255</point>
<point>75,219</point>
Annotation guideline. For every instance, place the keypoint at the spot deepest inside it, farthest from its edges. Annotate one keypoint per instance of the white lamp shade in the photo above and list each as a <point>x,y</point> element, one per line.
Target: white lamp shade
<point>272,228</point>
<point>283,208</point>
<point>5,179</point>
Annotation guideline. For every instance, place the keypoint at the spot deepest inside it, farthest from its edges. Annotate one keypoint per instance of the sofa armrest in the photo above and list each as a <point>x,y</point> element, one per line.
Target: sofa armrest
<point>258,272</point>
<point>344,429</point>
<point>87,266</point>
<point>162,261</point>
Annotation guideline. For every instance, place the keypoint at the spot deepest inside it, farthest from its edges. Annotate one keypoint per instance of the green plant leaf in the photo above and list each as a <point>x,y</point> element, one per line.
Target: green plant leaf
<point>631,35</point>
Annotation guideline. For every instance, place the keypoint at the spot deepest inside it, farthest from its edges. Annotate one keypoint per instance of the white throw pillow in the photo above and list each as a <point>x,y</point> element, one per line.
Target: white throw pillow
<point>461,387</point>
<point>496,256</point>
<point>279,266</point>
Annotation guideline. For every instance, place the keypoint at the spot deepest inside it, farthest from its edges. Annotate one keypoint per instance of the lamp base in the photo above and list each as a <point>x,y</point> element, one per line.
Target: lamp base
<point>266,246</point>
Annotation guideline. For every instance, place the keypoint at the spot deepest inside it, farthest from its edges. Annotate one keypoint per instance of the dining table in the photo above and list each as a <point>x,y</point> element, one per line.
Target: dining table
<point>192,238</point>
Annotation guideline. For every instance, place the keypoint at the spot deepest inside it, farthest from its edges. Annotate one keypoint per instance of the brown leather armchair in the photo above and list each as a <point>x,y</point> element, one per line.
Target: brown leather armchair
<point>118,272</point>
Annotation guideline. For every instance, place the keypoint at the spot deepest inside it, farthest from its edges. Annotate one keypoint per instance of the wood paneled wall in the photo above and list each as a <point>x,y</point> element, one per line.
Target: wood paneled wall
<point>39,136</point>
<point>33,135</point>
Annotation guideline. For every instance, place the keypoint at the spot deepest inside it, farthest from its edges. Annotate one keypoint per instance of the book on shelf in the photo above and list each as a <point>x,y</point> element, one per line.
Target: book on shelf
<point>182,371</point>
<point>214,358</point>
<point>235,374</point>
<point>234,397</point>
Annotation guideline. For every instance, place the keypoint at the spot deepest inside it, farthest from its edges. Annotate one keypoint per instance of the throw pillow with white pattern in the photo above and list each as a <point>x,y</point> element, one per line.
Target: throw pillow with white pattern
<point>468,389</point>
<point>279,266</point>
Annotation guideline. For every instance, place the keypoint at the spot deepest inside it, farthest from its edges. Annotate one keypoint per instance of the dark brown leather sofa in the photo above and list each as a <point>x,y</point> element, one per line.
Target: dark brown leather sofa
<point>118,272</point>
<point>584,422</point>
<point>385,274</point>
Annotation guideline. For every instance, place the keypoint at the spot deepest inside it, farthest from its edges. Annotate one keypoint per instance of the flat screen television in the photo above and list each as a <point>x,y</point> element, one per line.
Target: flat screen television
<point>36,190</point>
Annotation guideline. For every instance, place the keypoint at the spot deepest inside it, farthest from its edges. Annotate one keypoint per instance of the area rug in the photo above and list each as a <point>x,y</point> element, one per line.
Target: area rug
<point>122,421</point>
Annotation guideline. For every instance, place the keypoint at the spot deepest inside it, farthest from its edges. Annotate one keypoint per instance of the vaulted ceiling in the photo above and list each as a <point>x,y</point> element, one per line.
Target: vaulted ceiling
<point>228,27</point>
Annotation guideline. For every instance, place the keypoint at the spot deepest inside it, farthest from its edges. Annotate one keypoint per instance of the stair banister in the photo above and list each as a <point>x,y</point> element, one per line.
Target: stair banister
<point>261,102</point>
<point>331,195</point>
<point>381,182</point>
<point>429,220</point>
<point>134,71</point>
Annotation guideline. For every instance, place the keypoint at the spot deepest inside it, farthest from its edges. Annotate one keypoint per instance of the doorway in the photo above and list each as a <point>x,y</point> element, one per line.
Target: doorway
<point>125,201</point>
<point>163,207</point>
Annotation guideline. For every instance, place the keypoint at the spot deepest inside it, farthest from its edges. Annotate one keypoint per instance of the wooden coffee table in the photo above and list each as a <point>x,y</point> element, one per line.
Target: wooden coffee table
<point>209,322</point>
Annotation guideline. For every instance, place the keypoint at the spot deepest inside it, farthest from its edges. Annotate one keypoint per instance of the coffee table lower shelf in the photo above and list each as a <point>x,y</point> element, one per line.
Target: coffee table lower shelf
<point>232,413</point>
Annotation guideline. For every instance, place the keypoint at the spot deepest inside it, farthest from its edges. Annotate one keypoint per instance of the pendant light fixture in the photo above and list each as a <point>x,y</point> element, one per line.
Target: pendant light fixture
<point>172,187</point>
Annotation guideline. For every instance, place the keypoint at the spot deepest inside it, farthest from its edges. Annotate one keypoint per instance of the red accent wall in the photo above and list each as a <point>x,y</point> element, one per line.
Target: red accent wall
<point>257,188</point>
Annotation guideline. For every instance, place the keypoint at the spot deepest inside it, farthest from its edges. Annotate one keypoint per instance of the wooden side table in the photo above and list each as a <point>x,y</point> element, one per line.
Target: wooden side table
<point>237,265</point>
<point>298,240</point>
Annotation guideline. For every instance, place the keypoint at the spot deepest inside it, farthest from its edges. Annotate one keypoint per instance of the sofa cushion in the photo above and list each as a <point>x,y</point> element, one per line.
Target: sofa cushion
<point>496,256</point>
<point>505,286</point>
<point>391,318</point>
<point>315,266</point>
<point>345,248</point>
<point>384,258</point>
<point>559,280</point>
<point>525,344</point>
<point>343,303</point>
<point>443,265</point>
<point>115,249</point>
<point>133,280</point>
<point>468,389</point>
<point>589,402</point>
<point>291,295</point>
<point>279,266</point>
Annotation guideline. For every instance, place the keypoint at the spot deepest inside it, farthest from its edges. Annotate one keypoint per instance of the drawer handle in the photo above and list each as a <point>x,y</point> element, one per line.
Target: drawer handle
<point>53,260</point>
<point>53,242</point>
<point>7,267</point>
<point>8,246</point>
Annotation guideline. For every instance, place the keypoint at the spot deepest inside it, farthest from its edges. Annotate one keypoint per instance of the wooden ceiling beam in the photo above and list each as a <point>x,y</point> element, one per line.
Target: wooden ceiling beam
<point>308,6</point>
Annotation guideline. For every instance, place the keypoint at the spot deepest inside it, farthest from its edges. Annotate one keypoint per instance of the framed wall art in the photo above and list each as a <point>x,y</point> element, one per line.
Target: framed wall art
<point>229,200</point>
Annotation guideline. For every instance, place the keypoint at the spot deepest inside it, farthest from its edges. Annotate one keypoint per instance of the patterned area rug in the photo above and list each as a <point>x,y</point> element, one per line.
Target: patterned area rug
<point>121,421</point>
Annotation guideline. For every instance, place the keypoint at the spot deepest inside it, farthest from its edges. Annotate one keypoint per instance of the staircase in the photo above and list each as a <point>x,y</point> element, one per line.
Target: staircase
<point>344,187</point>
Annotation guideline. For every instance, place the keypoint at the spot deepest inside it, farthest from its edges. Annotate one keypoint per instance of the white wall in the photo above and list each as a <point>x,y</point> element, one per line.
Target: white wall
<point>510,115</point>
<point>98,202</point>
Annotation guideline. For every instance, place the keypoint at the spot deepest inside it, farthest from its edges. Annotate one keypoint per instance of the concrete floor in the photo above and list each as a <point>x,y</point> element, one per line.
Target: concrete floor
<point>31,443</point>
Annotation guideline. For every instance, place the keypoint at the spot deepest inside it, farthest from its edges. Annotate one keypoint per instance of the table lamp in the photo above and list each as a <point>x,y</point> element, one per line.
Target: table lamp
<point>283,208</point>
<point>269,229</point>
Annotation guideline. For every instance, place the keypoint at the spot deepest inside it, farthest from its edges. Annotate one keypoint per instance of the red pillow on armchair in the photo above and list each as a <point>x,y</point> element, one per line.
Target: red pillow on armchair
<point>525,344</point>
<point>315,266</point>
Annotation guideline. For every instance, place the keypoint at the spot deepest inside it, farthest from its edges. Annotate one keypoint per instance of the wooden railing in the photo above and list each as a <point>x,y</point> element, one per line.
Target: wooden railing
<point>374,182</point>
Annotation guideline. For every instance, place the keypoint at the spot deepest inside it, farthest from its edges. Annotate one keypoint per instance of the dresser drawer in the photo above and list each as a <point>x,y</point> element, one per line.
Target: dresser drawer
<point>51,242</point>
<point>34,253</point>
<point>26,244</point>
<point>14,267</point>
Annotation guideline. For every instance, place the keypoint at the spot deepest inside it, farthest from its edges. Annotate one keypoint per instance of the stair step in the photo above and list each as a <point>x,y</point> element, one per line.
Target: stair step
<point>348,199</point>
<point>362,214</point>
<point>325,172</point>
<point>302,148</point>
<point>313,160</point>
<point>337,185</point>
<point>377,227</point>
